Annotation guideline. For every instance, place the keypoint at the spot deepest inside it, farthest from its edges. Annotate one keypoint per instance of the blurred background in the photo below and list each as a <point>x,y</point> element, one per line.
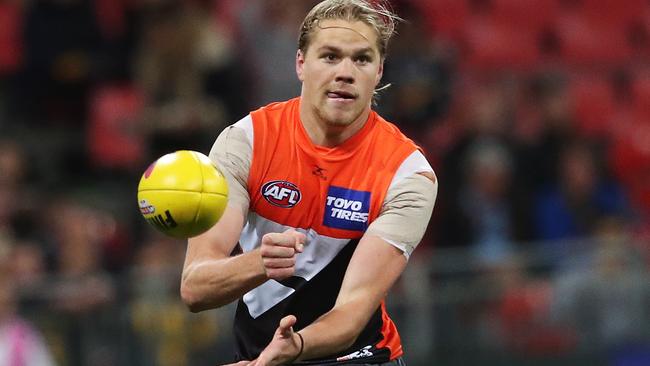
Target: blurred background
<point>535,115</point>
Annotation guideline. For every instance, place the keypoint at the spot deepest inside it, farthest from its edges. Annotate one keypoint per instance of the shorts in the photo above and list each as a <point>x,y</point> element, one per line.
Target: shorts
<point>396,362</point>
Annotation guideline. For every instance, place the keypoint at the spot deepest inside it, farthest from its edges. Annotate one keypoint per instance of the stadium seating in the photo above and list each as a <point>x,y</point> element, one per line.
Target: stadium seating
<point>594,103</point>
<point>10,37</point>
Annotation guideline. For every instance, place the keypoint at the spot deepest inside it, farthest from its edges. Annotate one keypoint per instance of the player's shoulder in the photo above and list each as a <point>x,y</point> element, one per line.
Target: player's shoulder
<point>275,116</point>
<point>272,115</point>
<point>240,131</point>
<point>411,154</point>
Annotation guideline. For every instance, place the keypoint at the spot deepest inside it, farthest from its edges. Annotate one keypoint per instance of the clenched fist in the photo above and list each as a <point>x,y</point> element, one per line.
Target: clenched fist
<point>279,252</point>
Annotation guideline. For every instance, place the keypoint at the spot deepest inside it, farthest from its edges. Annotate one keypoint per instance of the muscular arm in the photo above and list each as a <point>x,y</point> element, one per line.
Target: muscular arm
<point>211,278</point>
<point>373,269</point>
<point>377,262</point>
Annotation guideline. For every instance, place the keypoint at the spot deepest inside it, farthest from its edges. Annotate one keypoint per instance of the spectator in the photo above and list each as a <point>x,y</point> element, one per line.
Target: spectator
<point>608,299</point>
<point>495,217</point>
<point>419,77</point>
<point>520,316</point>
<point>29,270</point>
<point>179,47</point>
<point>83,291</point>
<point>486,130</point>
<point>582,197</point>
<point>21,344</point>
<point>13,164</point>
<point>545,127</point>
<point>62,39</point>
<point>155,300</point>
<point>268,31</point>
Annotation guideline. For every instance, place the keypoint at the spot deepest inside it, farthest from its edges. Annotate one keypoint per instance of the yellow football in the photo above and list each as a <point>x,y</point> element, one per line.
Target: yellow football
<point>182,194</point>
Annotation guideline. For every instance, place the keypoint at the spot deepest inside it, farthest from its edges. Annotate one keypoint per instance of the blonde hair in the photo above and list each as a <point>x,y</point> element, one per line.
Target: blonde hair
<point>375,13</point>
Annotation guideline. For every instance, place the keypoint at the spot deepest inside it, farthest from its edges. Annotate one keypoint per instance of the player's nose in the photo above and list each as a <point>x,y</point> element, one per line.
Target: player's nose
<point>345,71</point>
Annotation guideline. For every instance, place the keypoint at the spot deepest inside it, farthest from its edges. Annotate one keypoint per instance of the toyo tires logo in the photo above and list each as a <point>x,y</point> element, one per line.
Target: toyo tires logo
<point>347,209</point>
<point>281,193</point>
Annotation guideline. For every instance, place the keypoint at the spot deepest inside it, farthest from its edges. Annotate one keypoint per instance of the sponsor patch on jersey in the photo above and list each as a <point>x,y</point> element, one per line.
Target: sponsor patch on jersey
<point>281,193</point>
<point>346,209</point>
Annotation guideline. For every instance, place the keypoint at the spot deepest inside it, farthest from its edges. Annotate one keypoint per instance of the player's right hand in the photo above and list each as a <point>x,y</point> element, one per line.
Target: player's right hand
<point>279,252</point>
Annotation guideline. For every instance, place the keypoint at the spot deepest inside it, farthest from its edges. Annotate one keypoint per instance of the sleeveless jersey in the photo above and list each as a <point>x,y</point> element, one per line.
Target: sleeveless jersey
<point>331,195</point>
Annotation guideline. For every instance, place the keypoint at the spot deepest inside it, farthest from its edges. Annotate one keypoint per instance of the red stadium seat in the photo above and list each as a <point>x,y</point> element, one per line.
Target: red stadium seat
<point>531,15</point>
<point>616,13</point>
<point>111,17</point>
<point>629,158</point>
<point>594,104</point>
<point>10,37</point>
<point>446,18</point>
<point>584,43</point>
<point>491,46</point>
<point>641,92</point>
<point>115,138</point>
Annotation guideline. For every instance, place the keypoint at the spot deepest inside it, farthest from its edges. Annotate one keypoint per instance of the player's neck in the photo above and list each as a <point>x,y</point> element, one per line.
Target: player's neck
<point>324,133</point>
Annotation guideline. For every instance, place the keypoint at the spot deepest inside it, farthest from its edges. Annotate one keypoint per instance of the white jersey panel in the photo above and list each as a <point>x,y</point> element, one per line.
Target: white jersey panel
<point>318,252</point>
<point>263,297</point>
<point>414,163</point>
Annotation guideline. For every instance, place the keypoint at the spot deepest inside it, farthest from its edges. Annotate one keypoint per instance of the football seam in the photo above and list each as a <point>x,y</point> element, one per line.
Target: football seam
<point>198,207</point>
<point>181,190</point>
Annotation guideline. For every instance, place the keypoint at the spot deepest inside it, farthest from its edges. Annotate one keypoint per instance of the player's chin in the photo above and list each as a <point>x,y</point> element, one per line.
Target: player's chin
<point>340,117</point>
<point>339,122</point>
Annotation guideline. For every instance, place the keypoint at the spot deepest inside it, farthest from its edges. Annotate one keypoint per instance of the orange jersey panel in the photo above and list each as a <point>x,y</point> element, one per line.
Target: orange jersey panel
<point>335,191</point>
<point>391,338</point>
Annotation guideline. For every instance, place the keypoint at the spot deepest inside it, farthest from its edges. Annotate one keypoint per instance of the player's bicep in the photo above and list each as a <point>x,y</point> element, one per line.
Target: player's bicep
<point>232,154</point>
<point>219,241</point>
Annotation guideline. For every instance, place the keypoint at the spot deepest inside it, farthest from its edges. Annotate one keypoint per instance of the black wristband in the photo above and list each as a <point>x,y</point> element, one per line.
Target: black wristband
<point>302,346</point>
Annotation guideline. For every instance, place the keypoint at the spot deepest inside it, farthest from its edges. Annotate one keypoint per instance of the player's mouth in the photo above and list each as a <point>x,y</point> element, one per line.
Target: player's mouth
<point>341,96</point>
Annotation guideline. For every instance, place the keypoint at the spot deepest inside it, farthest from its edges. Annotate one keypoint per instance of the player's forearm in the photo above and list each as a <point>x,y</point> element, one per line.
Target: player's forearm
<point>213,283</point>
<point>333,332</point>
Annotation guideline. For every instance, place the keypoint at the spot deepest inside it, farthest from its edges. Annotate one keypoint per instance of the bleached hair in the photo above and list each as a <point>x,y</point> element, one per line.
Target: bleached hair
<point>377,14</point>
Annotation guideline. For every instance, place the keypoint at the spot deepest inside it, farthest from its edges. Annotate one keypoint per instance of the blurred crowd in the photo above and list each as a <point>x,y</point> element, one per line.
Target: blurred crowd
<point>535,115</point>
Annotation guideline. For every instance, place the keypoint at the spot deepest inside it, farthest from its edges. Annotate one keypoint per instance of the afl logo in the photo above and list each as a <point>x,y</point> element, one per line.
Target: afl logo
<point>281,193</point>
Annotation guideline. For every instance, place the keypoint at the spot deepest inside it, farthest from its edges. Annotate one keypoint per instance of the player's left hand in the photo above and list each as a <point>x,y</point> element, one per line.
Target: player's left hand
<point>284,346</point>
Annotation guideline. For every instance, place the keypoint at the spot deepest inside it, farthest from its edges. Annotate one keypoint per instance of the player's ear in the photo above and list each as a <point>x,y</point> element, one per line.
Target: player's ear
<point>300,64</point>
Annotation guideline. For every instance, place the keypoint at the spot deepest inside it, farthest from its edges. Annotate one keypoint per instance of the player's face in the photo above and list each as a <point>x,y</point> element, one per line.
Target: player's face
<point>339,72</point>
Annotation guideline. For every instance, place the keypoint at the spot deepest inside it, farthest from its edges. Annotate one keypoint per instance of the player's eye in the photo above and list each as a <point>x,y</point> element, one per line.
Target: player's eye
<point>329,57</point>
<point>363,59</point>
